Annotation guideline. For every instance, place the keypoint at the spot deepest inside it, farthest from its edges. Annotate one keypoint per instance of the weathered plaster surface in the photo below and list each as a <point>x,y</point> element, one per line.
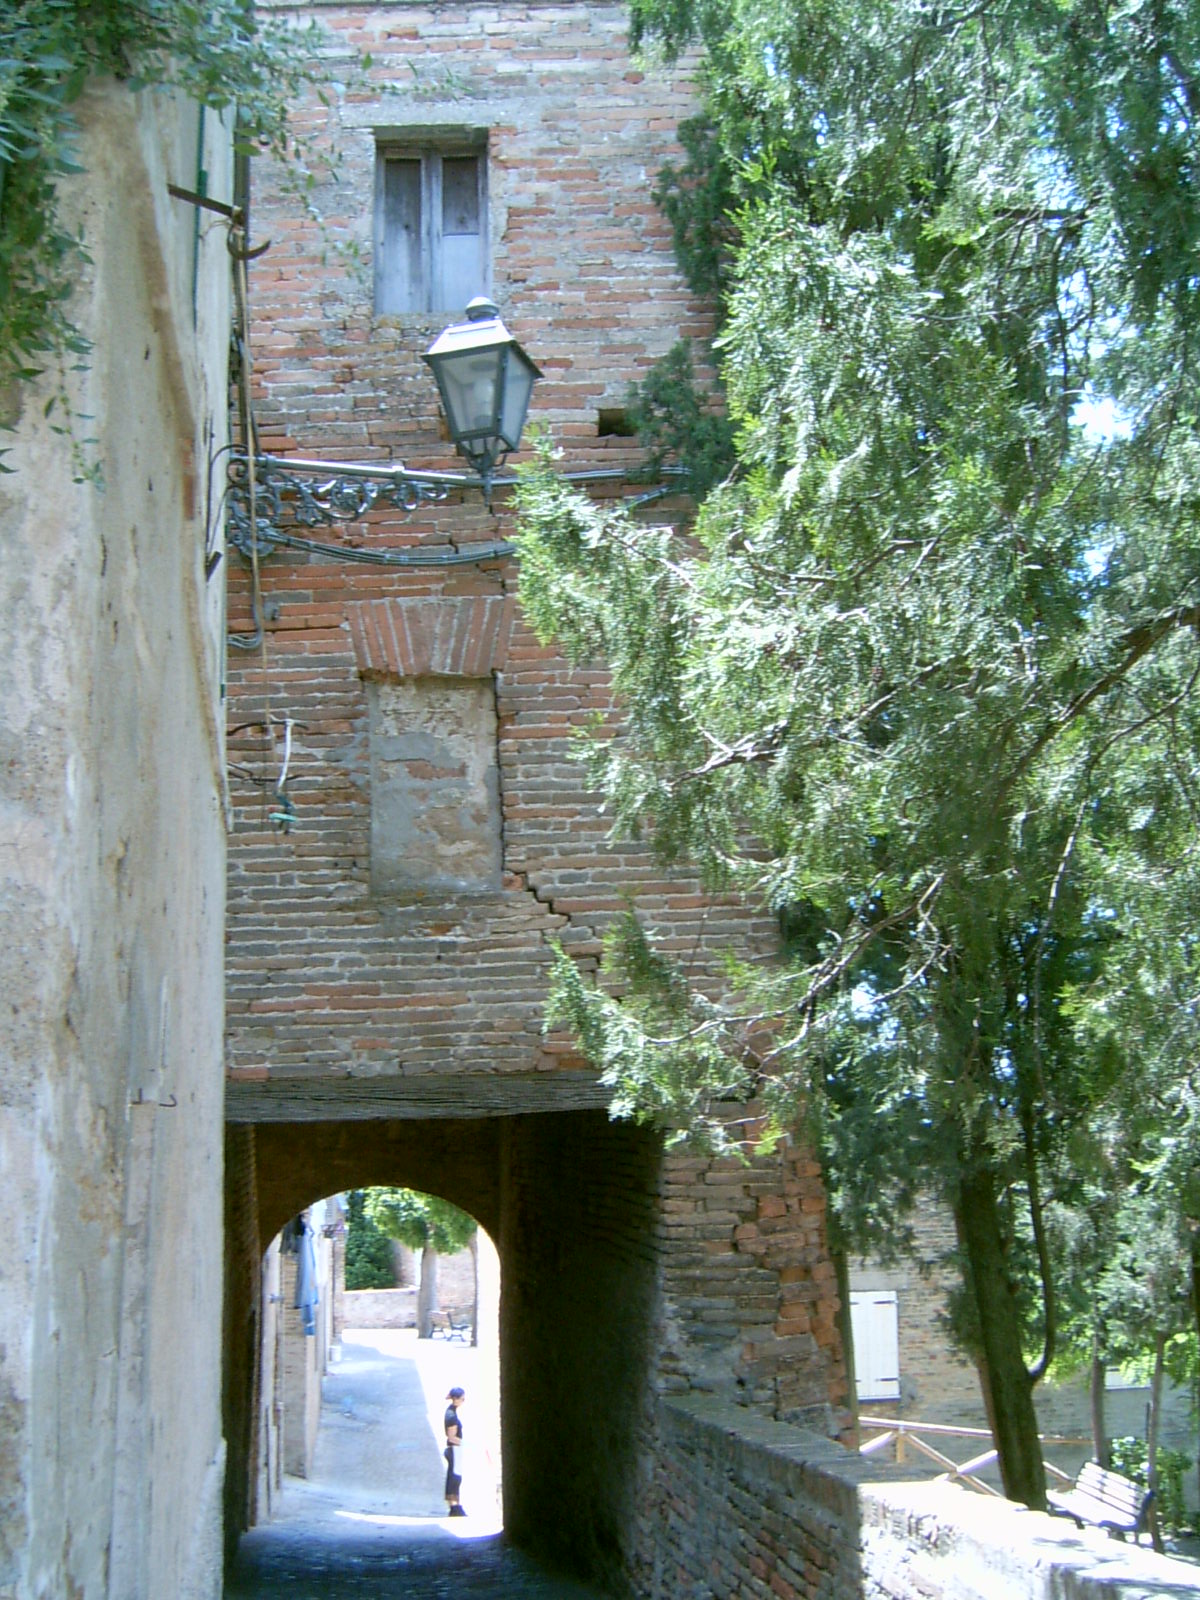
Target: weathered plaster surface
<point>111,903</point>
<point>435,786</point>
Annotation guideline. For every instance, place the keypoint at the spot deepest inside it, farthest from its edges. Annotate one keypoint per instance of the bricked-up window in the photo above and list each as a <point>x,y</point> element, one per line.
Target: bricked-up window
<point>430,226</point>
<point>435,787</point>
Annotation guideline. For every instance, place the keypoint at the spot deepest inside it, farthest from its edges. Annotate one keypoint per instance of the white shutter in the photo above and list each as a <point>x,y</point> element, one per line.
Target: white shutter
<point>875,1322</point>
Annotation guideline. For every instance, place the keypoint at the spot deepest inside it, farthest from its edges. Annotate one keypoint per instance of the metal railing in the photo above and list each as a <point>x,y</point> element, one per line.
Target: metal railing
<point>903,1432</point>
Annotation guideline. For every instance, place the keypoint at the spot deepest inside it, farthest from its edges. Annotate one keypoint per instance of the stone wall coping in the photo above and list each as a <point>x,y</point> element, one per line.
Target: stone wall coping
<point>920,1537</point>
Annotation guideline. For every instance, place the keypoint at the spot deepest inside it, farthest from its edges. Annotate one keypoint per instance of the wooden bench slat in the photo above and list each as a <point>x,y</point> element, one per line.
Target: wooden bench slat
<point>1093,1510</point>
<point>1103,1499</point>
<point>1102,1482</point>
<point>1128,1501</point>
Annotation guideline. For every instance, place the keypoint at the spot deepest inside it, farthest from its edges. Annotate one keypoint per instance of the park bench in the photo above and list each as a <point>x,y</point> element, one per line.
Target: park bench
<point>1104,1499</point>
<point>450,1325</point>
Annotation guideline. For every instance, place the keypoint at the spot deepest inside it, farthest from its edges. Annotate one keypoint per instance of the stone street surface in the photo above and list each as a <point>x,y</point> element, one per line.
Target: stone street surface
<point>370,1523</point>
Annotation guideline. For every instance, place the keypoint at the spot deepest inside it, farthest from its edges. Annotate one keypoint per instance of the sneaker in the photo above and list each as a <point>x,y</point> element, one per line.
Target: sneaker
<point>457,1511</point>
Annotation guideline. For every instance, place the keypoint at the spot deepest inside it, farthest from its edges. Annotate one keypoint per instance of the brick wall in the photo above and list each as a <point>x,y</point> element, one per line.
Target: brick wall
<point>577,1332</point>
<point>749,1285</point>
<point>358,989</point>
<point>937,1384</point>
<point>581,259</point>
<point>378,983</point>
<point>745,1508</point>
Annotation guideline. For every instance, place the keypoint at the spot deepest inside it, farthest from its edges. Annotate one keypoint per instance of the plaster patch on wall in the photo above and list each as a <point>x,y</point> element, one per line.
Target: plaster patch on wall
<point>435,788</point>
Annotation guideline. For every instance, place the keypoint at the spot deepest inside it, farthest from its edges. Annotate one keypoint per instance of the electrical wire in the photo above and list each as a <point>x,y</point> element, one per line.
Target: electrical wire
<point>284,814</point>
<point>416,557</point>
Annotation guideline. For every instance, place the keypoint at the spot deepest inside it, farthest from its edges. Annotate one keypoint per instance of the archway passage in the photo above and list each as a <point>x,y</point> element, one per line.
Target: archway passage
<point>368,1565</point>
<point>571,1201</point>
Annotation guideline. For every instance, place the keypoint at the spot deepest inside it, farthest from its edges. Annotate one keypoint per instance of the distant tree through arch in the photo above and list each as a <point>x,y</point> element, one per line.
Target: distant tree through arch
<point>426,1223</point>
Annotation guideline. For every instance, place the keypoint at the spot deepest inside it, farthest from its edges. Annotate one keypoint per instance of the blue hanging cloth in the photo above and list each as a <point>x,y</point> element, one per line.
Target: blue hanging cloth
<point>306,1278</point>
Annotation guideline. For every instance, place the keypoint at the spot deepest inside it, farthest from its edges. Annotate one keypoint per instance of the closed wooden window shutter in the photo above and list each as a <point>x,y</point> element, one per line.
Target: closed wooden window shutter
<point>398,268</point>
<point>461,253</point>
<point>874,1318</point>
<point>430,230</point>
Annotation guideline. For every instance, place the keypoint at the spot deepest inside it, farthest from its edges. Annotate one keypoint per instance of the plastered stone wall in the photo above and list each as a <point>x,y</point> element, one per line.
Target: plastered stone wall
<point>302,1368</point>
<point>380,1308</point>
<point>435,788</point>
<point>111,897</point>
<point>270,1414</point>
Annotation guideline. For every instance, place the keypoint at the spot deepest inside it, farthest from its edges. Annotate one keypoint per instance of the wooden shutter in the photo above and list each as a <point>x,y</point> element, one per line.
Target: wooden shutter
<point>458,246</point>
<point>874,1319</point>
<point>399,278</point>
<point>430,229</point>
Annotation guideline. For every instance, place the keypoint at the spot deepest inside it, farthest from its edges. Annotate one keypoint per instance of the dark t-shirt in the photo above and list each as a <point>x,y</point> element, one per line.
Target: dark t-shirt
<point>453,1477</point>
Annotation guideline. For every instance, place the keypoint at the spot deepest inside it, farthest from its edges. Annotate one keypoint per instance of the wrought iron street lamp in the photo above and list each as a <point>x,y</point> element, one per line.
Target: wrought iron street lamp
<point>485,380</point>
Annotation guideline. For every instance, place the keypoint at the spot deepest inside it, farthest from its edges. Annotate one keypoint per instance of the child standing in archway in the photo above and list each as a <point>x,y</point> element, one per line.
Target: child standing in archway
<point>453,1447</point>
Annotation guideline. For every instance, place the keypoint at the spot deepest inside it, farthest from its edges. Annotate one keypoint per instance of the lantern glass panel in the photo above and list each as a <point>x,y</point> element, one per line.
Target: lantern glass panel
<point>468,383</point>
<point>518,387</point>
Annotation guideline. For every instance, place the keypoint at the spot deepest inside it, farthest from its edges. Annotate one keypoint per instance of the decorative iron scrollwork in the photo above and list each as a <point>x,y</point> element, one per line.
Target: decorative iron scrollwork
<point>290,491</point>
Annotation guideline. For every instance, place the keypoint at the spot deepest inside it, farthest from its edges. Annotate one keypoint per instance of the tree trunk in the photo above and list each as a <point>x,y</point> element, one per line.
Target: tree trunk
<point>474,1248</point>
<point>427,1292</point>
<point>1156,1388</point>
<point>1007,1386</point>
<point>1099,1431</point>
<point>841,1267</point>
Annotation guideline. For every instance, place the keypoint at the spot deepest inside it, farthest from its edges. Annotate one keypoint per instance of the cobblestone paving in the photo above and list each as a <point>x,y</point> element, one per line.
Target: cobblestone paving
<point>317,1564</point>
<point>369,1523</point>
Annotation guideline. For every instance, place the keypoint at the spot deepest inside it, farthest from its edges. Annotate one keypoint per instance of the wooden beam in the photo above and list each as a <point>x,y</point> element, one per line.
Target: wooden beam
<point>349,1099</point>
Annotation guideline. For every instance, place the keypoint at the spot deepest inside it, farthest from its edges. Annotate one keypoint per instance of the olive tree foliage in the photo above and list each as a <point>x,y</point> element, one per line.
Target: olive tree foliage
<point>426,1223</point>
<point>921,675</point>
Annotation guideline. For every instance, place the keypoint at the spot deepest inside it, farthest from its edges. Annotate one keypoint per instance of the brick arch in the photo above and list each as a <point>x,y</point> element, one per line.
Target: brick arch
<point>431,636</point>
<point>571,1201</point>
<point>298,1163</point>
